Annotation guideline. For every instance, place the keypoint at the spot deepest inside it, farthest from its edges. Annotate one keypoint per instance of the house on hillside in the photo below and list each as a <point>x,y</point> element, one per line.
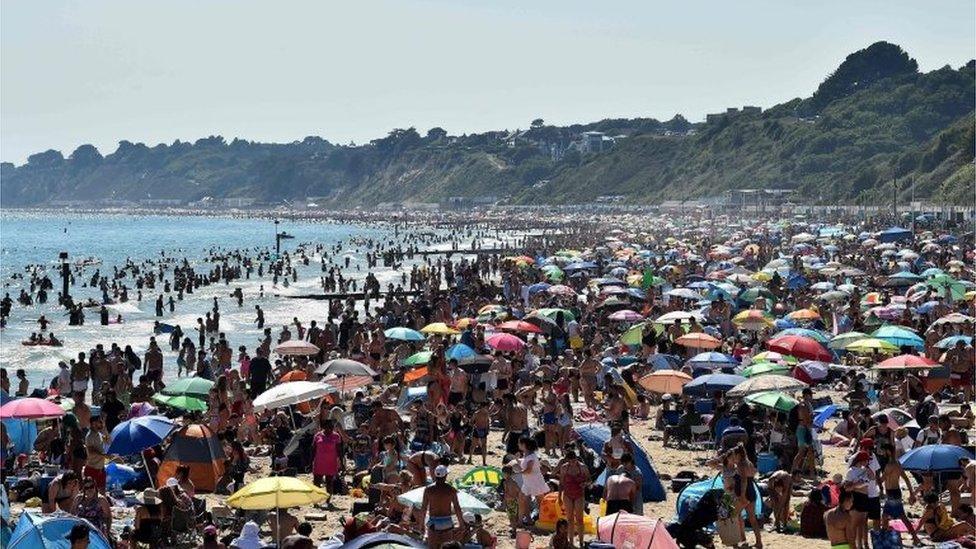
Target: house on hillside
<point>595,142</point>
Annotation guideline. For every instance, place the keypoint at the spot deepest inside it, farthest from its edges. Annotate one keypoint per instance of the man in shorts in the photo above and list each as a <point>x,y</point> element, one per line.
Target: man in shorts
<point>804,433</point>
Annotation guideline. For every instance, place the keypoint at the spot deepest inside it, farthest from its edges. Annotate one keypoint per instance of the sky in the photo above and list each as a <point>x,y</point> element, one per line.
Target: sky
<point>92,71</point>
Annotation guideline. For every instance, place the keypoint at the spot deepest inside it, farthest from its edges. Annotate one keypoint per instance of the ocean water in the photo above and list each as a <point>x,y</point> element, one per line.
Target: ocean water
<point>31,238</point>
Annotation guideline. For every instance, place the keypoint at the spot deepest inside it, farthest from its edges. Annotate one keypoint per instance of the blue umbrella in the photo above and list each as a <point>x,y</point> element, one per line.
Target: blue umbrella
<point>459,351</point>
<point>637,293</point>
<point>663,362</point>
<point>580,266</point>
<point>539,287</point>
<point>712,360</point>
<point>35,531</point>
<point>805,332</point>
<point>926,307</point>
<point>934,457</point>
<point>708,384</point>
<point>899,336</point>
<point>824,414</point>
<point>135,435</point>
<point>403,334</point>
<point>951,341</point>
<point>784,324</point>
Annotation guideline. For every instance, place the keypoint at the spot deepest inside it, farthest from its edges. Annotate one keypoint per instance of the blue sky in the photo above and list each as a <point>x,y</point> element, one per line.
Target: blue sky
<point>74,72</point>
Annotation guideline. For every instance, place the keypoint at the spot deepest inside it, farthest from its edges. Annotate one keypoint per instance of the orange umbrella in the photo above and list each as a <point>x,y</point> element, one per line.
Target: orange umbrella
<point>804,314</point>
<point>665,381</point>
<point>698,340</point>
<point>294,375</point>
<point>415,374</point>
<point>465,323</point>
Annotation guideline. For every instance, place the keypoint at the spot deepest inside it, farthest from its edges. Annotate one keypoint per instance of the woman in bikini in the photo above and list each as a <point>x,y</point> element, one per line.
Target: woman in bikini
<point>573,480</point>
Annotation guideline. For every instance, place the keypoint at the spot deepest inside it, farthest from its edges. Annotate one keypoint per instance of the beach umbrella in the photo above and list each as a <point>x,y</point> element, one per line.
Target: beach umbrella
<point>870,345</point>
<point>749,295</point>
<point>135,435</point>
<point>906,362</point>
<point>684,293</point>
<point>538,287</point>
<point>296,347</point>
<point>698,340</point>
<point>50,531</point>
<point>416,359</point>
<point>476,364</point>
<point>934,458</point>
<point>834,296</point>
<point>612,302</point>
<point>841,341</point>
<point>774,400</point>
<point>183,402</point>
<point>753,319</point>
<point>681,316</point>
<point>952,318</point>
<point>403,334</point>
<point>625,315</point>
<point>465,323</point>
<point>139,409</point>
<point>459,351</point>
<point>799,346</point>
<point>897,335</point>
<point>770,382</point>
<point>813,370</point>
<point>438,328</point>
<point>30,408</point>
<point>711,360</point>
<point>504,342</point>
<point>196,387</point>
<point>276,493</point>
<point>896,417</point>
<point>804,315</point>
<point>345,367</point>
<point>561,289</point>
<point>951,341</point>
<point>287,394</point>
<point>520,326</point>
<point>293,375</point>
<point>805,332</point>
<point>665,381</point>
<point>414,498</point>
<point>708,384</point>
<point>552,312</point>
<point>764,368</point>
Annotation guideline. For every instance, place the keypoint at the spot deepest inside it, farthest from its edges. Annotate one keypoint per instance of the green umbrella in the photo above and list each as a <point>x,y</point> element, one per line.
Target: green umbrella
<point>762,368</point>
<point>551,312</point>
<point>183,402</point>
<point>841,341</point>
<point>750,294</point>
<point>635,334</point>
<point>775,400</point>
<point>416,359</point>
<point>189,386</point>
<point>946,286</point>
<point>555,275</point>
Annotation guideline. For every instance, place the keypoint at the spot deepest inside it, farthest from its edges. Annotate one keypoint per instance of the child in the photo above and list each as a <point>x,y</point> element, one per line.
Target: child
<point>560,540</point>
<point>510,497</point>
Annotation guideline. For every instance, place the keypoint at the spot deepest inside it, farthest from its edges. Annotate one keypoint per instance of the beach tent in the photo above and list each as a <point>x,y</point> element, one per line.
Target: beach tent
<point>22,433</point>
<point>376,539</point>
<point>197,447</point>
<point>628,530</point>
<point>895,234</point>
<point>35,531</point>
<point>595,436</point>
<point>690,495</point>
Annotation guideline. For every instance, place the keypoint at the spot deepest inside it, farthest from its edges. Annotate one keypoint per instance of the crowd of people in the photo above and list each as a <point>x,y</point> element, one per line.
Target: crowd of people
<point>820,376</point>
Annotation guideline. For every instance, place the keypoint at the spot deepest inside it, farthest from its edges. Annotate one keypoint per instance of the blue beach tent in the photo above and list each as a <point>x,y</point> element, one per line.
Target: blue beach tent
<point>595,436</point>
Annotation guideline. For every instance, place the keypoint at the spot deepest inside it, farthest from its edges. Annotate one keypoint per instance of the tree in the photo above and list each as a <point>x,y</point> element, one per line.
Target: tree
<point>537,123</point>
<point>436,134</point>
<point>862,69</point>
<point>86,155</point>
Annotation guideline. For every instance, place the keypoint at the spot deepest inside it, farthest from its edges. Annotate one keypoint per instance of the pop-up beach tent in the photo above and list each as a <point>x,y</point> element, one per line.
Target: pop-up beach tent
<point>595,436</point>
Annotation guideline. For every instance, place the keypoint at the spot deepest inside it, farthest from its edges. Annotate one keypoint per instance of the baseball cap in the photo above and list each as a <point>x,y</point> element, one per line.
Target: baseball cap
<point>861,456</point>
<point>440,471</point>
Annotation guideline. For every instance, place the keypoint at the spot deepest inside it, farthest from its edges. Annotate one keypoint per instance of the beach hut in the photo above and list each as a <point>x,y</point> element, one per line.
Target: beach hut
<point>197,447</point>
<point>628,530</point>
<point>595,436</point>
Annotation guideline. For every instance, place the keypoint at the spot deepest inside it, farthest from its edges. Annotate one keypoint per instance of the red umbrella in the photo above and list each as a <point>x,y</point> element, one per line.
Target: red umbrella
<point>30,408</point>
<point>905,362</point>
<point>504,342</point>
<point>520,326</point>
<point>802,347</point>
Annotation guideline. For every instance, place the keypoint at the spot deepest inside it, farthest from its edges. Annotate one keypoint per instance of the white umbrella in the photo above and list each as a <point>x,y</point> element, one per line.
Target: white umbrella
<point>293,392</point>
<point>415,498</point>
<point>771,382</point>
<point>296,347</point>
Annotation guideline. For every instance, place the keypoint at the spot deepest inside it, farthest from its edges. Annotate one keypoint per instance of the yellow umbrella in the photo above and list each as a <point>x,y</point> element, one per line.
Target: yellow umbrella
<point>439,328</point>
<point>276,493</point>
<point>870,345</point>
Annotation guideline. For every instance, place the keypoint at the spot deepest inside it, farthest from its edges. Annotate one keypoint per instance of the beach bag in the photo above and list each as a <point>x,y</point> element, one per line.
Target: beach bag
<point>885,539</point>
<point>728,531</point>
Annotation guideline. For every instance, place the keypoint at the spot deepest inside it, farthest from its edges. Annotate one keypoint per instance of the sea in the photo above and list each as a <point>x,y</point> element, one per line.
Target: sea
<point>31,238</point>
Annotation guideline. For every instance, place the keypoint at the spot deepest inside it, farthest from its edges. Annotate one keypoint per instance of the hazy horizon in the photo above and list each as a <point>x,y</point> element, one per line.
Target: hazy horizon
<point>99,72</point>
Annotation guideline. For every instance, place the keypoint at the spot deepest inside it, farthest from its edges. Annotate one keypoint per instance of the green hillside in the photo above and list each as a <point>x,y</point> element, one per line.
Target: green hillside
<point>874,123</point>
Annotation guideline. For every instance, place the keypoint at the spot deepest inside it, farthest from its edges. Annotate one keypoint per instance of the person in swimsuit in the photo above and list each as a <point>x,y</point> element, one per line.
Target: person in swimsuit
<point>420,463</point>
<point>573,480</point>
<point>937,522</point>
<point>840,527</point>
<point>440,505</point>
<point>894,508</point>
<point>91,505</point>
<point>61,492</point>
<point>619,493</point>
<point>481,420</point>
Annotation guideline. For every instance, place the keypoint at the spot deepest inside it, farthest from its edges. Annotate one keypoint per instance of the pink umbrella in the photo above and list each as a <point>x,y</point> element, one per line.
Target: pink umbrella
<point>139,409</point>
<point>296,347</point>
<point>626,315</point>
<point>30,408</point>
<point>504,342</point>
<point>561,289</point>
